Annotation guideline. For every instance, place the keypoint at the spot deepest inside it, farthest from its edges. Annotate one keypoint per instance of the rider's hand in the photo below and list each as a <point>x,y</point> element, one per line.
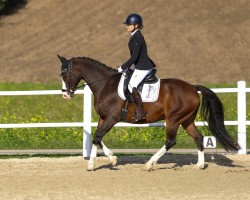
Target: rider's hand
<point>120,69</point>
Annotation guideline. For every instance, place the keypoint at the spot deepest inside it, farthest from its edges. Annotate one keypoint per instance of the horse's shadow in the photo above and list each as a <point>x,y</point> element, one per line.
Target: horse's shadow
<point>176,161</point>
<point>180,160</point>
<point>108,166</point>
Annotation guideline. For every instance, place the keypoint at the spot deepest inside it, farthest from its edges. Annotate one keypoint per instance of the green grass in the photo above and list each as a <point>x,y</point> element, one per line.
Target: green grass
<point>53,108</point>
<point>38,108</point>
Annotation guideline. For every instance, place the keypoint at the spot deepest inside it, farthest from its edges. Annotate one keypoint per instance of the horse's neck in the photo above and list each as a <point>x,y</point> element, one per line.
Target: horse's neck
<point>97,76</point>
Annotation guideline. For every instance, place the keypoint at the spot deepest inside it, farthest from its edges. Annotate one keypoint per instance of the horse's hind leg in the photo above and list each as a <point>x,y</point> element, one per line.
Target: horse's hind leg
<point>170,142</point>
<point>198,138</point>
<point>153,160</point>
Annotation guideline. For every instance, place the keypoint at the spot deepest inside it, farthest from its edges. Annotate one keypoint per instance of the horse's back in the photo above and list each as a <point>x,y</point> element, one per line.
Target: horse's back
<point>178,85</point>
<point>177,90</point>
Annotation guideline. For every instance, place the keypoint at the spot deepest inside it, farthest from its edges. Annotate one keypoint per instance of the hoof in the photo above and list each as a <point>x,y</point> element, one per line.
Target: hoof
<point>149,166</point>
<point>113,160</point>
<point>199,166</point>
<point>91,167</point>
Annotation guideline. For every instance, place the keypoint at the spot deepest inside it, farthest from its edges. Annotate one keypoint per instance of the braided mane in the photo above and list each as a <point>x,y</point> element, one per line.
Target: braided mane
<point>98,63</point>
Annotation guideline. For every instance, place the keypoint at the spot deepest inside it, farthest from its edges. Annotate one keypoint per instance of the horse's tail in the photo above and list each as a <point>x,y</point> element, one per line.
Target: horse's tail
<point>212,112</point>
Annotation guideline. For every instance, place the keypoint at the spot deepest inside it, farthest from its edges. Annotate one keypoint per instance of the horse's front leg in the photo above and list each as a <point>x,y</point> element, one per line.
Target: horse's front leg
<point>109,154</point>
<point>93,154</point>
<point>102,128</point>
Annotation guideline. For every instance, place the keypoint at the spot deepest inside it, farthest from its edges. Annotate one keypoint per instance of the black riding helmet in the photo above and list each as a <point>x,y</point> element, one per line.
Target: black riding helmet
<point>134,19</point>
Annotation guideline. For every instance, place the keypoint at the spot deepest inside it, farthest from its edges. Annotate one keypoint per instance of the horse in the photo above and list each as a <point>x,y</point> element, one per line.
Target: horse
<point>177,104</point>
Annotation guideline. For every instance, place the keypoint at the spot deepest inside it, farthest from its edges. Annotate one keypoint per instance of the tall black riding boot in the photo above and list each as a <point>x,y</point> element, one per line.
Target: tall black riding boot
<point>139,113</point>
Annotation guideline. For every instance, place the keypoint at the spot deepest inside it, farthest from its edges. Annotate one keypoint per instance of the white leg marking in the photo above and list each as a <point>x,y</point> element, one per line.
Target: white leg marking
<point>201,160</point>
<point>153,160</point>
<point>91,163</point>
<point>109,154</point>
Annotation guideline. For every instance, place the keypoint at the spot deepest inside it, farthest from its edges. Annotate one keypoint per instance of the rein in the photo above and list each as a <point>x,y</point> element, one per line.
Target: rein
<point>69,69</point>
<point>85,84</point>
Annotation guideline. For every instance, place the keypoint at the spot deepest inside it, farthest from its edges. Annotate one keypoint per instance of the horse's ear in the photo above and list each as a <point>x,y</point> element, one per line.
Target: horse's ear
<point>62,59</point>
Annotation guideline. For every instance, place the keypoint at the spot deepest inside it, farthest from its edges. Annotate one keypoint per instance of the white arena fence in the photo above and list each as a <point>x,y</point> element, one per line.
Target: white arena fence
<point>241,90</point>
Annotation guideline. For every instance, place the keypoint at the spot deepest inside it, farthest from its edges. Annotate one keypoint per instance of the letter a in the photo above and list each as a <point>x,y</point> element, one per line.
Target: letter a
<point>210,142</point>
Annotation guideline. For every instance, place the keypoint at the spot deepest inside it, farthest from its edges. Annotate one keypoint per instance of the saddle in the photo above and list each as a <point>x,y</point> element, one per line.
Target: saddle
<point>149,79</point>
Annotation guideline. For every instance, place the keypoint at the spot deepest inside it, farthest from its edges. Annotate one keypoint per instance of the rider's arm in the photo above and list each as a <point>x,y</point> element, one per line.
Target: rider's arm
<point>135,54</point>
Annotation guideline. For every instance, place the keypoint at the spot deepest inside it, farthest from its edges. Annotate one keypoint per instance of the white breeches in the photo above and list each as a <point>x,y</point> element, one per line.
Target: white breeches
<point>137,78</point>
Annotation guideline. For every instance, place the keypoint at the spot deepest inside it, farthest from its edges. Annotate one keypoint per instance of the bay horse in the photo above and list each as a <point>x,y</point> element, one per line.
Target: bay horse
<point>178,104</point>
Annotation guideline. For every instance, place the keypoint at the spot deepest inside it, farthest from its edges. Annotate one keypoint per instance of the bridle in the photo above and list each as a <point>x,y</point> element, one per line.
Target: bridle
<point>69,70</point>
<point>72,90</point>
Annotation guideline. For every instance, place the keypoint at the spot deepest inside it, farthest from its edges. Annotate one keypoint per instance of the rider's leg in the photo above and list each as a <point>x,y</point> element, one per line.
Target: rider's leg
<point>140,113</point>
<point>135,80</point>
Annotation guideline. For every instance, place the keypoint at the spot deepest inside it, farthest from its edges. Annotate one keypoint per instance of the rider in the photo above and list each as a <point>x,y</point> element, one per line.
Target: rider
<point>139,60</point>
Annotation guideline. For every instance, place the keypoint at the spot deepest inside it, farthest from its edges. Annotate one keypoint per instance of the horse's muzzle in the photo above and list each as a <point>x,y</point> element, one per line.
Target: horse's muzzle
<point>69,94</point>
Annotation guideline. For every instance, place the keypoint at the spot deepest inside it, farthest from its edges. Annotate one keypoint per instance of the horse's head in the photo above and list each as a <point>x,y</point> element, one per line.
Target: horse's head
<point>70,78</point>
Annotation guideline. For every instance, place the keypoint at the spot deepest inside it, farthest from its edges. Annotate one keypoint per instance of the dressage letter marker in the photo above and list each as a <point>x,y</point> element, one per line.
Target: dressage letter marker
<point>209,142</point>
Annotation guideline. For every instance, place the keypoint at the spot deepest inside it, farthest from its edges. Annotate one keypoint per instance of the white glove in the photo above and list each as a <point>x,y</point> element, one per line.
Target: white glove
<point>120,69</point>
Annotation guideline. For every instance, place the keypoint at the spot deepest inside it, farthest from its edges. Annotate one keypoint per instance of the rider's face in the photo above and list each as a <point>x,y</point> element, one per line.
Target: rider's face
<point>130,28</point>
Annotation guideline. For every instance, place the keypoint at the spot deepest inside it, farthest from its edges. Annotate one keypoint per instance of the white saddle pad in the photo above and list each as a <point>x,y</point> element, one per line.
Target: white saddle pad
<point>150,92</point>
